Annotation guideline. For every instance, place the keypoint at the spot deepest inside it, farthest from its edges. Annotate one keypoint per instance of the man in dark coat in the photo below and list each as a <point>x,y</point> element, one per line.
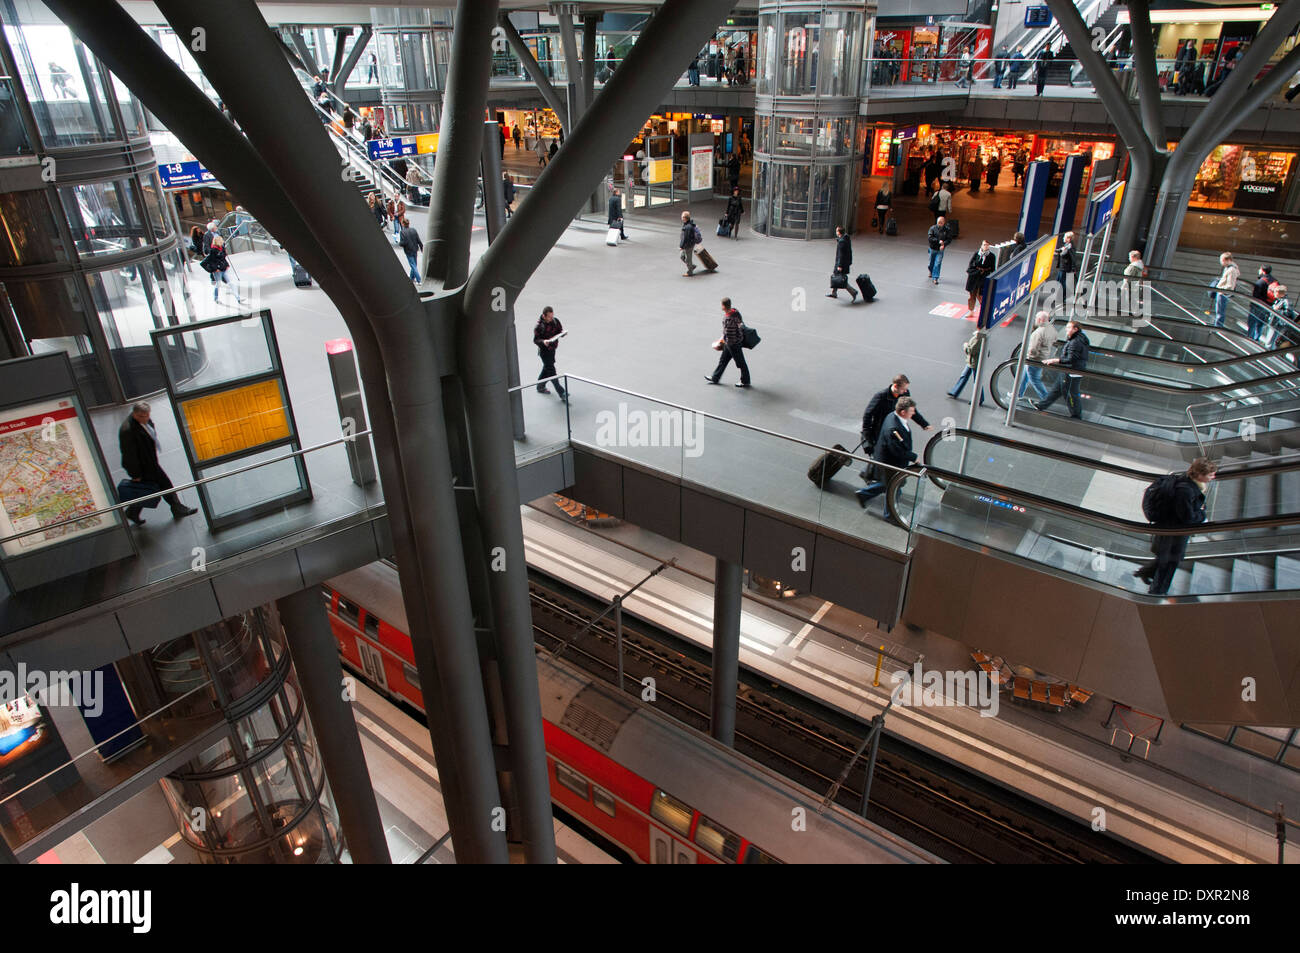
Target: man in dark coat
<point>546,335</point>
<point>893,448</point>
<point>689,239</point>
<point>880,406</point>
<point>1043,64</point>
<point>615,217</point>
<point>843,262</point>
<point>1185,508</point>
<point>1074,356</point>
<point>138,440</point>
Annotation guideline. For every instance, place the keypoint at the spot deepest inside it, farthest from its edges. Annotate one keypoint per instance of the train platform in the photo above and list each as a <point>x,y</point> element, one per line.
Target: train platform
<point>399,757</point>
<point>1186,798</point>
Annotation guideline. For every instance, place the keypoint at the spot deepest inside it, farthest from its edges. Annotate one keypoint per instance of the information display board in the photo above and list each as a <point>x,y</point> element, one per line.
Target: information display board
<point>420,145</point>
<point>660,171</point>
<point>181,175</point>
<point>1016,281</point>
<point>235,420</point>
<point>48,474</point>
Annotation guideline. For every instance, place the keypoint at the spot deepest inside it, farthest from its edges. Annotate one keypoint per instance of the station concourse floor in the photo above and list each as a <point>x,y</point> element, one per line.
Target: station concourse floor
<point>636,323</point>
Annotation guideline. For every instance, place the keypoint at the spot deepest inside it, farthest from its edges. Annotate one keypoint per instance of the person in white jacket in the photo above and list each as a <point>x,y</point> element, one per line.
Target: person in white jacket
<point>1040,349</point>
<point>1227,282</point>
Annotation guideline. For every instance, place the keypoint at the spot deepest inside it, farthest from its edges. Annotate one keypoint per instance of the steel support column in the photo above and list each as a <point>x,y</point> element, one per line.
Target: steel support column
<point>339,80</point>
<point>727,584</point>
<point>589,64</point>
<point>494,211</point>
<point>1144,65</point>
<point>529,62</point>
<point>434,571</point>
<point>1235,99</point>
<point>304,54</point>
<point>341,34</point>
<point>679,25</point>
<point>577,87</point>
<point>451,209</point>
<point>316,660</point>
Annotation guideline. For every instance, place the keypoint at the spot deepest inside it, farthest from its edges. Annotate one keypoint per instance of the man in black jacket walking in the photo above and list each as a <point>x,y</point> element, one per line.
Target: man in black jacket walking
<point>137,438</point>
<point>546,335</point>
<point>880,406</point>
<point>690,238</point>
<point>1074,356</point>
<point>893,447</point>
<point>1185,506</point>
<point>614,218</point>
<point>733,334</point>
<point>843,262</point>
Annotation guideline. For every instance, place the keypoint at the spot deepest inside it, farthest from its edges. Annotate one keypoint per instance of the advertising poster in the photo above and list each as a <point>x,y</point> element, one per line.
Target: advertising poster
<point>29,745</point>
<point>48,474</point>
<point>701,168</point>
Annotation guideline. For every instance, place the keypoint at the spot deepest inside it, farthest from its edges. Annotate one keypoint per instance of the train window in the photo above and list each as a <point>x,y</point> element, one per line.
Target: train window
<point>755,856</point>
<point>671,812</point>
<point>328,596</point>
<point>717,840</point>
<point>412,676</point>
<point>603,799</point>
<point>372,625</point>
<point>349,612</point>
<point>571,779</point>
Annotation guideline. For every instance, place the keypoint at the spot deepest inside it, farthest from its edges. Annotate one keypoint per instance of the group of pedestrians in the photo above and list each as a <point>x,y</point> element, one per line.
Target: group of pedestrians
<point>1269,309</point>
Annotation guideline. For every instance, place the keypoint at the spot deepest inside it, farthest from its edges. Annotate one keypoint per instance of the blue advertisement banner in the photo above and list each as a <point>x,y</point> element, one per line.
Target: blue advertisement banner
<point>180,175</point>
<point>391,148</point>
<point>1067,203</point>
<point>1031,206</point>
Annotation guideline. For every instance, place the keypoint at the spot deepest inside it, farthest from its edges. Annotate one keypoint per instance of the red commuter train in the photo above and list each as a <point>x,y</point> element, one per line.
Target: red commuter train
<point>613,761</point>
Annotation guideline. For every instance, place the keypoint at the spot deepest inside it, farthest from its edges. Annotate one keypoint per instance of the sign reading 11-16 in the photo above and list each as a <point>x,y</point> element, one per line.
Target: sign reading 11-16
<point>391,148</point>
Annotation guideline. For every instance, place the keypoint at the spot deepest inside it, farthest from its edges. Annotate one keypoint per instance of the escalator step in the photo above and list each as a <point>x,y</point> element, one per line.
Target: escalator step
<point>1252,576</point>
<point>1286,573</point>
<point>1207,579</point>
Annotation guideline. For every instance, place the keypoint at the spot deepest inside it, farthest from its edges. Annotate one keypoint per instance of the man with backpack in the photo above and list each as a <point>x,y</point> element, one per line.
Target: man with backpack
<point>1173,501</point>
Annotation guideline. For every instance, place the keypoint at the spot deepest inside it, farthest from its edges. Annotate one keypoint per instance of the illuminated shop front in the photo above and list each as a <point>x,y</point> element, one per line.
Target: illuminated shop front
<point>1246,178</point>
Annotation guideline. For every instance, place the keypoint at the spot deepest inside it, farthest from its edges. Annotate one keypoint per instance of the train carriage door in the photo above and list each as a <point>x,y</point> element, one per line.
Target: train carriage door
<point>372,661</point>
<point>684,854</point>
<point>665,850</point>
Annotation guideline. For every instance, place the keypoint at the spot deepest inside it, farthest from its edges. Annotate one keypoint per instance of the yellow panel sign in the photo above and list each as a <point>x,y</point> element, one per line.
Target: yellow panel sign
<point>1043,261</point>
<point>661,170</point>
<point>426,144</point>
<point>243,418</point>
<point>1119,197</point>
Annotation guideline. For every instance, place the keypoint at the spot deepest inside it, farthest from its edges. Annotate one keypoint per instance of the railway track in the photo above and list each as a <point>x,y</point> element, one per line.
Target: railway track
<point>949,811</point>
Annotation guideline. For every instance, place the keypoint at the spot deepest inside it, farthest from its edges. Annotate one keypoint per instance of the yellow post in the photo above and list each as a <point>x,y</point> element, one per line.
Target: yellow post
<point>880,660</point>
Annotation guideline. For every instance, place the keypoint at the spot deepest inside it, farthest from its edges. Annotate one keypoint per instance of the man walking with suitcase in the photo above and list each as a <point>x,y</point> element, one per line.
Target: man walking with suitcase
<point>138,440</point>
<point>843,262</point>
<point>690,238</point>
<point>893,447</point>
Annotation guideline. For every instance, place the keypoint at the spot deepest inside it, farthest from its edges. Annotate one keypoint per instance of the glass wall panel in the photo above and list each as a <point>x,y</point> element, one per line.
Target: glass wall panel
<point>390,60</point>
<point>839,46</point>
<point>14,138</point>
<point>104,217</point>
<point>794,137</point>
<point>827,185</point>
<point>790,201</point>
<point>30,234</point>
<point>158,218</point>
<point>762,202</point>
<point>133,124</point>
<point>442,54</point>
<point>762,134</point>
<point>798,76</point>
<point>767,26</point>
<point>63,84</point>
<point>835,137</point>
<point>51,317</point>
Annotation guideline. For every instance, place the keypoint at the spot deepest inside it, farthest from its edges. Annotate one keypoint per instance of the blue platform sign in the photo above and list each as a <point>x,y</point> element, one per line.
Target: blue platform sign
<point>1015,281</point>
<point>180,175</point>
<point>1067,200</point>
<point>1031,206</point>
<point>391,148</point>
<point>1102,209</point>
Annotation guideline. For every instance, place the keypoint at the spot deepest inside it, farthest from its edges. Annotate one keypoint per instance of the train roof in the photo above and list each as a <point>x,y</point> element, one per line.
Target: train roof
<point>376,589</point>
<point>726,786</point>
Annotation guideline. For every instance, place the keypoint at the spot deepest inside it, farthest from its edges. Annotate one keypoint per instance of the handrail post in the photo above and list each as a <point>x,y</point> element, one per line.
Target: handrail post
<point>1018,382</point>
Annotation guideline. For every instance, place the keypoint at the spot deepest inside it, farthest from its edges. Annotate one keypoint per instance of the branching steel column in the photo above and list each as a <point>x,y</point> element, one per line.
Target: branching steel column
<point>291,139</point>
<point>727,585</point>
<point>1144,65</point>
<point>529,62</point>
<point>354,56</point>
<point>304,54</point>
<point>341,34</point>
<point>316,660</point>
<point>494,211</point>
<point>186,111</point>
<point>451,212</point>
<point>1171,204</point>
<point>577,100</point>
<point>653,66</point>
<point>590,62</point>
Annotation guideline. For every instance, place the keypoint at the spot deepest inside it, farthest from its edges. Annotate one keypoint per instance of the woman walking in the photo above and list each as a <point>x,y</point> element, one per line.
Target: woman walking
<point>216,265</point>
<point>981,266</point>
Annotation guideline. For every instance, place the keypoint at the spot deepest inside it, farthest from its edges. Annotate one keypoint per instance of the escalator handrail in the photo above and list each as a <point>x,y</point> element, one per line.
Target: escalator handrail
<point>1205,287</point>
<point>1149,385</point>
<point>1166,338</point>
<point>1106,521</point>
<point>1234,472</point>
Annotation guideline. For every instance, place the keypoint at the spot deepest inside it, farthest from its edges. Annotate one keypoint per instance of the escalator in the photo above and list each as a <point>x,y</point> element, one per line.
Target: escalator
<point>1081,517</point>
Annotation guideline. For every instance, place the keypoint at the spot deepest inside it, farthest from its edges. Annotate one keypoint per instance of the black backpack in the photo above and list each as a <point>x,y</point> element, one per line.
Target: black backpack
<point>1158,498</point>
<point>934,202</point>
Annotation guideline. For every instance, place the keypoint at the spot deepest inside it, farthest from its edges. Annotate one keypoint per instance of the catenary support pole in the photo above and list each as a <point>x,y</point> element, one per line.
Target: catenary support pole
<point>727,585</point>
<point>316,660</point>
<point>530,65</point>
<point>451,210</point>
<point>289,138</point>
<point>494,210</point>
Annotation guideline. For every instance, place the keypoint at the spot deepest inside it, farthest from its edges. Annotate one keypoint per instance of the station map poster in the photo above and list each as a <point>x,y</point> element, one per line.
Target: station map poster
<point>48,474</point>
<point>701,168</point>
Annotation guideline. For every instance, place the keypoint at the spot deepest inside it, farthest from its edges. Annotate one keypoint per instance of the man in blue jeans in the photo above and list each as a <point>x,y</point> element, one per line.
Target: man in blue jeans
<point>937,238</point>
<point>1041,343</point>
<point>409,239</point>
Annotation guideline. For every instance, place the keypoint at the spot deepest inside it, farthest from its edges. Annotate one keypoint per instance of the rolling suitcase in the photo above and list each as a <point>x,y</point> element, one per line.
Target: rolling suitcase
<point>891,226</point>
<point>829,464</point>
<point>724,228</point>
<point>611,237</point>
<point>300,276</point>
<point>954,228</point>
<point>866,287</point>
<point>709,263</point>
